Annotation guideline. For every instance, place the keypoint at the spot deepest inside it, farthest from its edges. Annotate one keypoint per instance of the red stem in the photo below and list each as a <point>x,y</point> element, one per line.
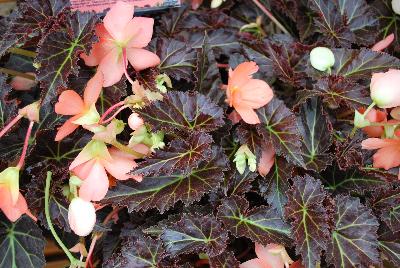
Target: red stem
<point>115,114</point>
<point>10,125</point>
<point>125,65</point>
<point>270,16</point>
<point>223,65</point>
<point>26,144</point>
<point>97,236</point>
<point>109,110</point>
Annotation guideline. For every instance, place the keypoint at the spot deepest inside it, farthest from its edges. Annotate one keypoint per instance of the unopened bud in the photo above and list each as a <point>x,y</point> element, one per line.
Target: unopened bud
<point>322,58</point>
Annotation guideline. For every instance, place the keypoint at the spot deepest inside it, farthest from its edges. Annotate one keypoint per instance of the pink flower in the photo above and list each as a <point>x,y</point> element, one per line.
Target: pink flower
<point>91,165</point>
<point>246,94</point>
<point>122,39</point>
<point>271,256</point>
<point>374,116</point>
<point>388,154</point>
<point>12,202</point>
<point>385,89</point>
<point>81,216</point>
<point>267,159</point>
<point>83,111</point>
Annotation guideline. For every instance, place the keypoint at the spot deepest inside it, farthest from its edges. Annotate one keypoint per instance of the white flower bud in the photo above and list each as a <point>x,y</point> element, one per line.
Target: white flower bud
<point>322,58</point>
<point>396,6</point>
<point>216,3</point>
<point>81,216</point>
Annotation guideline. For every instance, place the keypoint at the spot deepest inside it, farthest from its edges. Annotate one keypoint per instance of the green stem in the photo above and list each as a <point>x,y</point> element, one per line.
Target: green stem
<point>372,105</point>
<point>329,71</point>
<point>369,109</point>
<point>16,73</point>
<point>74,262</point>
<point>126,149</point>
<point>23,52</point>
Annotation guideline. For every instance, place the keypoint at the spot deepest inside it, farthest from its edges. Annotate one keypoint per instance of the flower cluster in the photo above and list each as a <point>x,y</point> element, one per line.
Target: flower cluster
<point>206,135</point>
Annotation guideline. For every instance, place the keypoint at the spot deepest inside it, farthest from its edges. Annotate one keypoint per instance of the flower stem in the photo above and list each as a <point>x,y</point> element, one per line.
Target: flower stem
<point>74,262</point>
<point>126,149</point>
<point>26,144</point>
<point>269,14</point>
<point>109,110</point>
<point>369,109</point>
<point>115,114</point>
<point>16,73</point>
<point>10,125</point>
<point>98,236</point>
<point>353,131</point>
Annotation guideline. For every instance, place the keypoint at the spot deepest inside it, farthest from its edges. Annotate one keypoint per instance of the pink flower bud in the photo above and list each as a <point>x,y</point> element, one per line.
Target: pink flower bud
<point>385,89</point>
<point>134,121</point>
<point>22,83</point>
<point>81,216</point>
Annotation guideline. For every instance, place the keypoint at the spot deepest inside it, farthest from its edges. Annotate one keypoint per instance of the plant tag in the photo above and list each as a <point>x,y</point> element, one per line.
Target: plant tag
<point>141,5</point>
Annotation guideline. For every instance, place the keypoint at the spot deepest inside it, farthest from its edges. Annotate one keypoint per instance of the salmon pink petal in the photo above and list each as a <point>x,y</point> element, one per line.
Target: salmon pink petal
<point>142,59</point>
<point>69,103</point>
<point>242,73</point>
<point>375,143</point>
<point>381,45</point>
<point>67,128</point>
<point>265,254</point>
<point>99,49</point>
<point>117,18</point>
<point>374,116</point>
<point>93,89</point>
<point>112,67</point>
<point>139,32</point>
<point>254,263</point>
<point>83,170</point>
<point>102,33</point>
<point>255,94</point>
<point>141,148</point>
<point>12,212</point>
<point>95,186</point>
<point>120,165</point>
<point>387,157</point>
<point>98,52</point>
<point>248,115</point>
<point>267,160</point>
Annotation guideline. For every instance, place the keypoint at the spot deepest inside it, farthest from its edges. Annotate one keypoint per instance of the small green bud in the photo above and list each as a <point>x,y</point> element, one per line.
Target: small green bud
<point>162,79</point>
<point>360,121</point>
<point>157,140</point>
<point>10,178</point>
<point>322,58</point>
<point>244,157</point>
